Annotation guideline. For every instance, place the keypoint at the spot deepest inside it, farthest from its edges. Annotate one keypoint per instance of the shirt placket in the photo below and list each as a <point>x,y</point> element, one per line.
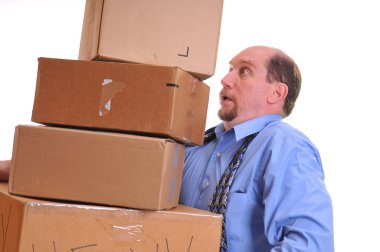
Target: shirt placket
<point>216,165</point>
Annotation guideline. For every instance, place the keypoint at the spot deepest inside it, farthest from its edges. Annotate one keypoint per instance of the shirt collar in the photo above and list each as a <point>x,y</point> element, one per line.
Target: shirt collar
<point>251,126</point>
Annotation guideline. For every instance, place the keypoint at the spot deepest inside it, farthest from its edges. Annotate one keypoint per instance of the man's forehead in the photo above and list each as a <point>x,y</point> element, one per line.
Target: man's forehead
<point>254,55</point>
<point>252,60</point>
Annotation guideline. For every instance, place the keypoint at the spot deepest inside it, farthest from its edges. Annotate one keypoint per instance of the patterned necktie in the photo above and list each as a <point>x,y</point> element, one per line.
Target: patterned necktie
<point>219,200</point>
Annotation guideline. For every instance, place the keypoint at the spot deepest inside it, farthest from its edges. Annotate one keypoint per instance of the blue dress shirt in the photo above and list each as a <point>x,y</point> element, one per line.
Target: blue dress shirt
<point>278,200</point>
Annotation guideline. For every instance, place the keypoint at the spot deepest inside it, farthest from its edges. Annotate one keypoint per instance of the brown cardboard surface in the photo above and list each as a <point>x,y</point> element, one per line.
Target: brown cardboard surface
<point>96,167</point>
<point>35,225</point>
<point>145,99</point>
<point>161,32</point>
<point>4,186</point>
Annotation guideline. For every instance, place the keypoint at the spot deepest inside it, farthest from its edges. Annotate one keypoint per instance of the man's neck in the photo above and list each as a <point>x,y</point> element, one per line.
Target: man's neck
<point>229,125</point>
<point>237,120</point>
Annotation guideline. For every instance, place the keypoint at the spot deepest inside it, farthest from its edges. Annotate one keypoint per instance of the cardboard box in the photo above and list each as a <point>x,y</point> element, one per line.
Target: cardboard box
<point>96,167</point>
<point>34,225</point>
<point>162,32</point>
<point>4,186</point>
<point>145,99</point>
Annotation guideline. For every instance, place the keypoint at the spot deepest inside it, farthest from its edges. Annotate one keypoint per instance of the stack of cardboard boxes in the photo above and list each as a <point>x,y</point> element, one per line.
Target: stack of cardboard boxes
<point>108,159</point>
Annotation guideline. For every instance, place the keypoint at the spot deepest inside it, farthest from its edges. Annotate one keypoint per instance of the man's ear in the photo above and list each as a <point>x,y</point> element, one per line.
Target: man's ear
<point>279,93</point>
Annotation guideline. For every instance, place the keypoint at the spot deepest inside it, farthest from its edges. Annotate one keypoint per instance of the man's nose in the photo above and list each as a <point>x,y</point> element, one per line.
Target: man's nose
<point>228,80</point>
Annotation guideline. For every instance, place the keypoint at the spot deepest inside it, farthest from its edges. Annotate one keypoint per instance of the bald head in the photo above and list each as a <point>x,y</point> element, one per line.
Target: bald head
<point>281,68</point>
<point>261,80</point>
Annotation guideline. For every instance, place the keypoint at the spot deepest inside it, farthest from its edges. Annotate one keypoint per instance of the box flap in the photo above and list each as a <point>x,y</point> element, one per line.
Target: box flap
<point>91,29</point>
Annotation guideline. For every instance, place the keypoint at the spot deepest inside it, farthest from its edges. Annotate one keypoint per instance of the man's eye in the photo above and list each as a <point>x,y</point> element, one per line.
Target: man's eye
<point>230,69</point>
<point>244,71</point>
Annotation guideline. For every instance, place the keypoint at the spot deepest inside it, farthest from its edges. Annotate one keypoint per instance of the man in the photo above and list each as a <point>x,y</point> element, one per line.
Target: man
<point>263,175</point>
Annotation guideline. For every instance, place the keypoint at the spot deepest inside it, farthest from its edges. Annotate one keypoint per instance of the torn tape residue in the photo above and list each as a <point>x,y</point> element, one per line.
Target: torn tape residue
<point>109,89</point>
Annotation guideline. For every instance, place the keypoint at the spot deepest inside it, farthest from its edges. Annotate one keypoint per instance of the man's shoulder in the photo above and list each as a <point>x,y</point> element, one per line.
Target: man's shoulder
<point>281,129</point>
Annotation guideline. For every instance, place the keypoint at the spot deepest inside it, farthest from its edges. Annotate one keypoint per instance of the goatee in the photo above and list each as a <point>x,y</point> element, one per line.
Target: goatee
<point>228,115</point>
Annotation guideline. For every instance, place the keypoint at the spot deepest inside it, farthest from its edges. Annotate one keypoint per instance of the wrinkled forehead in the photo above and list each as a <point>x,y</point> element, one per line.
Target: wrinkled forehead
<point>255,56</point>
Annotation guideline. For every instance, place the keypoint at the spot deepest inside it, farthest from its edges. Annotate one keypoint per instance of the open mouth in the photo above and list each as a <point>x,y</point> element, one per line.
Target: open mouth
<point>226,98</point>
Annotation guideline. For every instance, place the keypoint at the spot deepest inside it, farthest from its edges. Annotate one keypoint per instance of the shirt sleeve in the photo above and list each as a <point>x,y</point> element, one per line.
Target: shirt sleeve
<point>298,209</point>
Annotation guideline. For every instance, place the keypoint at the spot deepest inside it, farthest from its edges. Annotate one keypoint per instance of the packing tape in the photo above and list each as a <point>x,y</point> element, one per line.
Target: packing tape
<point>109,89</point>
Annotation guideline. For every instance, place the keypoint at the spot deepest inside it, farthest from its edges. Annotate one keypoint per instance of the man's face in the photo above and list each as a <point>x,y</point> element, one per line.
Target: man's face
<point>245,87</point>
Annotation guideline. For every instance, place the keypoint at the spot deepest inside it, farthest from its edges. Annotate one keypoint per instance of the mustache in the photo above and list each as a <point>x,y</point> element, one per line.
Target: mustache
<point>225,94</point>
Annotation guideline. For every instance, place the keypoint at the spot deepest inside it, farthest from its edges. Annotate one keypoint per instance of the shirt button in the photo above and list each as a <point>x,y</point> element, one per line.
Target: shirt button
<point>205,183</point>
<point>218,154</point>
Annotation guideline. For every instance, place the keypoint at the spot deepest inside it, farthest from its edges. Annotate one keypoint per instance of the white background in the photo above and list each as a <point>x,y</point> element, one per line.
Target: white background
<point>335,43</point>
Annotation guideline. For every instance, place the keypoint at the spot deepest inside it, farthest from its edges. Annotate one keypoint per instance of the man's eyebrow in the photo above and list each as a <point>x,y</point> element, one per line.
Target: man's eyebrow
<point>243,62</point>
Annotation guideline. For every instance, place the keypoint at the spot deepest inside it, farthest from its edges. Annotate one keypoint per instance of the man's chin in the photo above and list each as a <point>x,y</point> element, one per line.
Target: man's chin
<point>227,116</point>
